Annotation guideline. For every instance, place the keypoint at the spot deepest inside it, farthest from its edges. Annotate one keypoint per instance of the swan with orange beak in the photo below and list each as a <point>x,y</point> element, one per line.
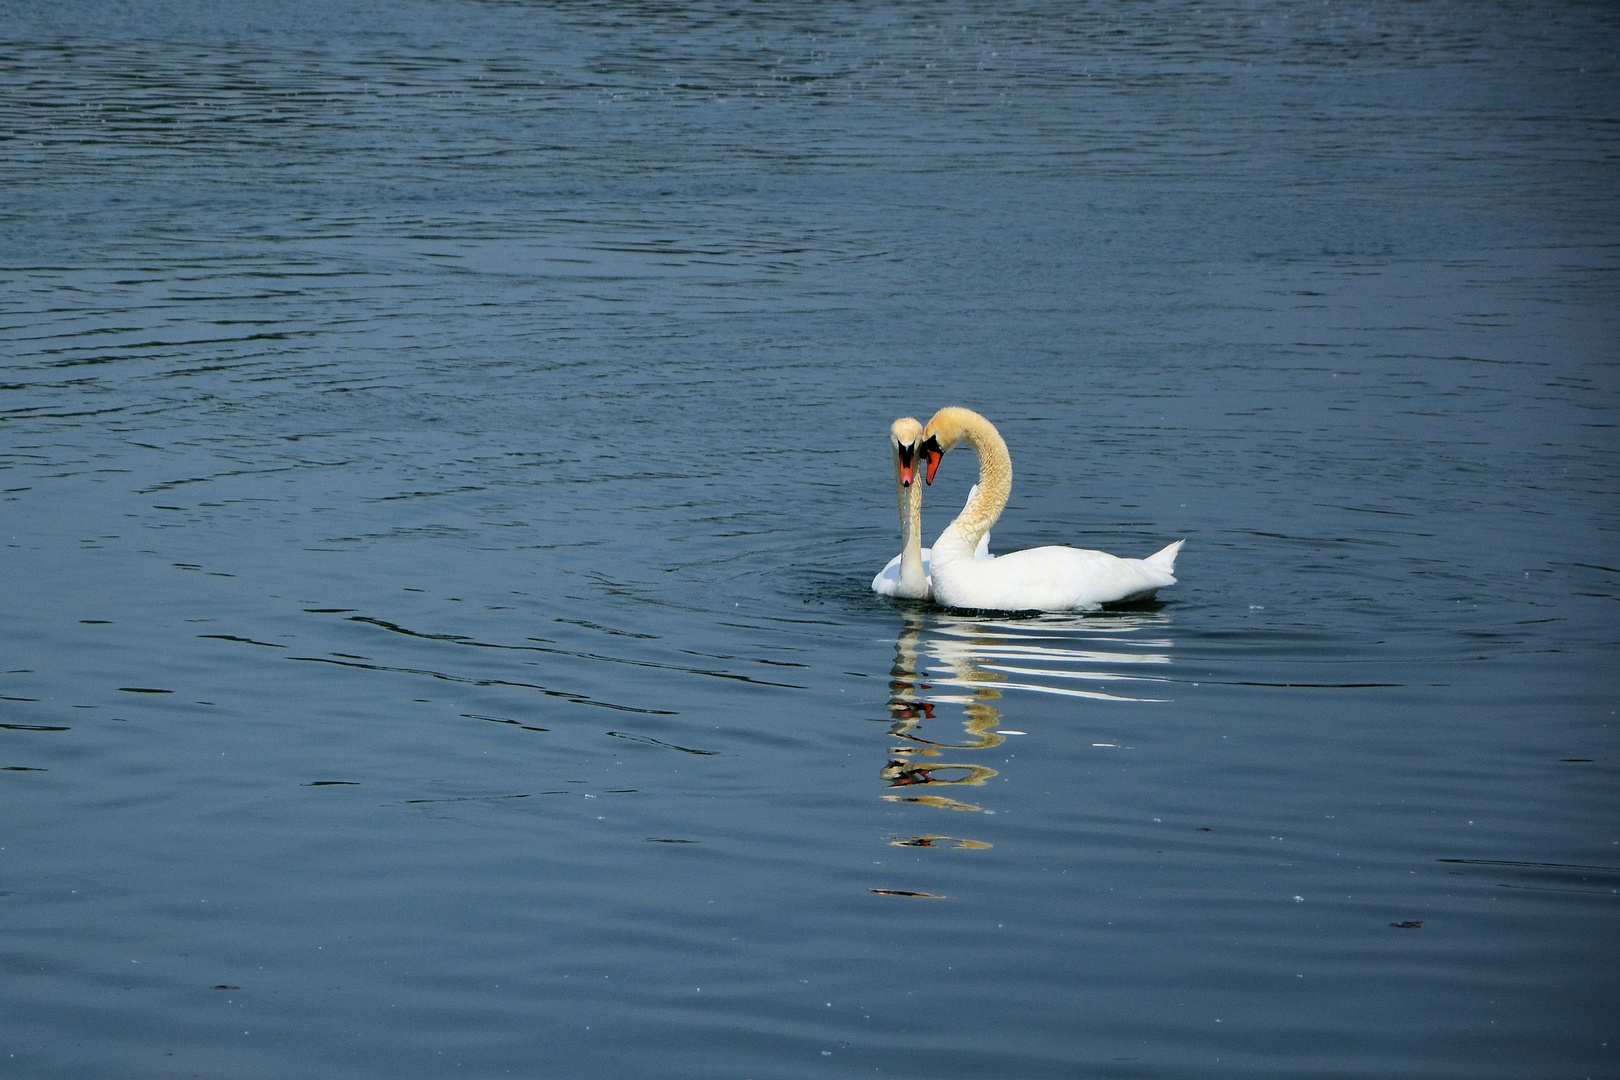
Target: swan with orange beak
<point>1036,579</point>
<point>906,575</point>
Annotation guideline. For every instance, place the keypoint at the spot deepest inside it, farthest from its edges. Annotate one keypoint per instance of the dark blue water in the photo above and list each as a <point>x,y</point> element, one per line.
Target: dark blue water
<point>443,451</point>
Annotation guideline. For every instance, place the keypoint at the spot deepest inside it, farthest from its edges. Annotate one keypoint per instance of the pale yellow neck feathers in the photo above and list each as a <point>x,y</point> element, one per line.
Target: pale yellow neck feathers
<point>909,498</point>
<point>952,425</point>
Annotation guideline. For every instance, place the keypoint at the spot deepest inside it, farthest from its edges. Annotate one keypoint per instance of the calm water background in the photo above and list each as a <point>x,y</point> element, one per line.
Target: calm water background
<point>443,451</point>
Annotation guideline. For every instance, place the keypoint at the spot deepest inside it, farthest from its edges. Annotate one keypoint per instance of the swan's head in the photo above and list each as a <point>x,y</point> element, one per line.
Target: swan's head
<point>905,433</point>
<point>947,428</point>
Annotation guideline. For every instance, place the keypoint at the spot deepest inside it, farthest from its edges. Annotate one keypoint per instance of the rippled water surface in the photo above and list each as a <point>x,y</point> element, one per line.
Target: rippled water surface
<point>443,452</point>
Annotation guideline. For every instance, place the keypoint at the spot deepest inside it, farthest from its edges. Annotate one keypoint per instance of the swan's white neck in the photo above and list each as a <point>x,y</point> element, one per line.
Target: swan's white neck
<point>913,582</point>
<point>984,506</point>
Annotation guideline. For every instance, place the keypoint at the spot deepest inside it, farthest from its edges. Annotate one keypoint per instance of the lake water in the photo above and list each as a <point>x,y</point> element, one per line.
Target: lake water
<point>444,457</point>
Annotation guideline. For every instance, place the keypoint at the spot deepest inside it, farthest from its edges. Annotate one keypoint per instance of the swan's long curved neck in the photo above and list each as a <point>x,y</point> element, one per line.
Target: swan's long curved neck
<point>913,582</point>
<point>995,485</point>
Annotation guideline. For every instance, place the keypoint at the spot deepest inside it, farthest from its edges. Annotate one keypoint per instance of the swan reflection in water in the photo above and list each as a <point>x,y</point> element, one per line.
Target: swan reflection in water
<point>949,660</point>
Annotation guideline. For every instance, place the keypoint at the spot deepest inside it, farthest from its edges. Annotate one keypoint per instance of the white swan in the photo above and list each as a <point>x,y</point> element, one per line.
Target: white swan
<point>1037,579</point>
<point>906,575</point>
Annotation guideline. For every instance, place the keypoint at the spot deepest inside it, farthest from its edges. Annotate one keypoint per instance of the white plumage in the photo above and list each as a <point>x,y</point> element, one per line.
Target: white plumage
<point>1036,579</point>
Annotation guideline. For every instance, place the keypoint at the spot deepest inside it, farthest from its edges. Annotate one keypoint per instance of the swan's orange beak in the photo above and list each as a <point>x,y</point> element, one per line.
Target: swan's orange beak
<point>932,455</point>
<point>907,457</point>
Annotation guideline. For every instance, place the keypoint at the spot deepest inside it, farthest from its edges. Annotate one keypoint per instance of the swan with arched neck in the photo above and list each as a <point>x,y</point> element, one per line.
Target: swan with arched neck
<point>906,575</point>
<point>1036,579</point>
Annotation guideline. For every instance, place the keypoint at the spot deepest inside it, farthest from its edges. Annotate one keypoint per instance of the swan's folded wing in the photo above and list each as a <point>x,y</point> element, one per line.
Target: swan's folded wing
<point>1048,579</point>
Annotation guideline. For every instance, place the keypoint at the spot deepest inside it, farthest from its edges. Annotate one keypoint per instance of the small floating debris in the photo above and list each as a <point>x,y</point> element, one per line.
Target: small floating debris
<point>243,640</point>
<point>657,742</point>
<point>1112,744</point>
<point>939,841</point>
<point>908,892</point>
<point>504,720</point>
<point>1410,924</point>
<point>476,798</point>
<point>142,690</point>
<point>1010,731</point>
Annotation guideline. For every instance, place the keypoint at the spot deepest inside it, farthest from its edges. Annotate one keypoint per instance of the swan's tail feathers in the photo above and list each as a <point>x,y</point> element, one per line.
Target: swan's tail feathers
<point>1165,558</point>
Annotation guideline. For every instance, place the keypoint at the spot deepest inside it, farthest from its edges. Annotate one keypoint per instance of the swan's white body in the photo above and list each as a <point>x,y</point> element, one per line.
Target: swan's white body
<point>888,581</point>
<point>1036,579</point>
<point>906,575</point>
